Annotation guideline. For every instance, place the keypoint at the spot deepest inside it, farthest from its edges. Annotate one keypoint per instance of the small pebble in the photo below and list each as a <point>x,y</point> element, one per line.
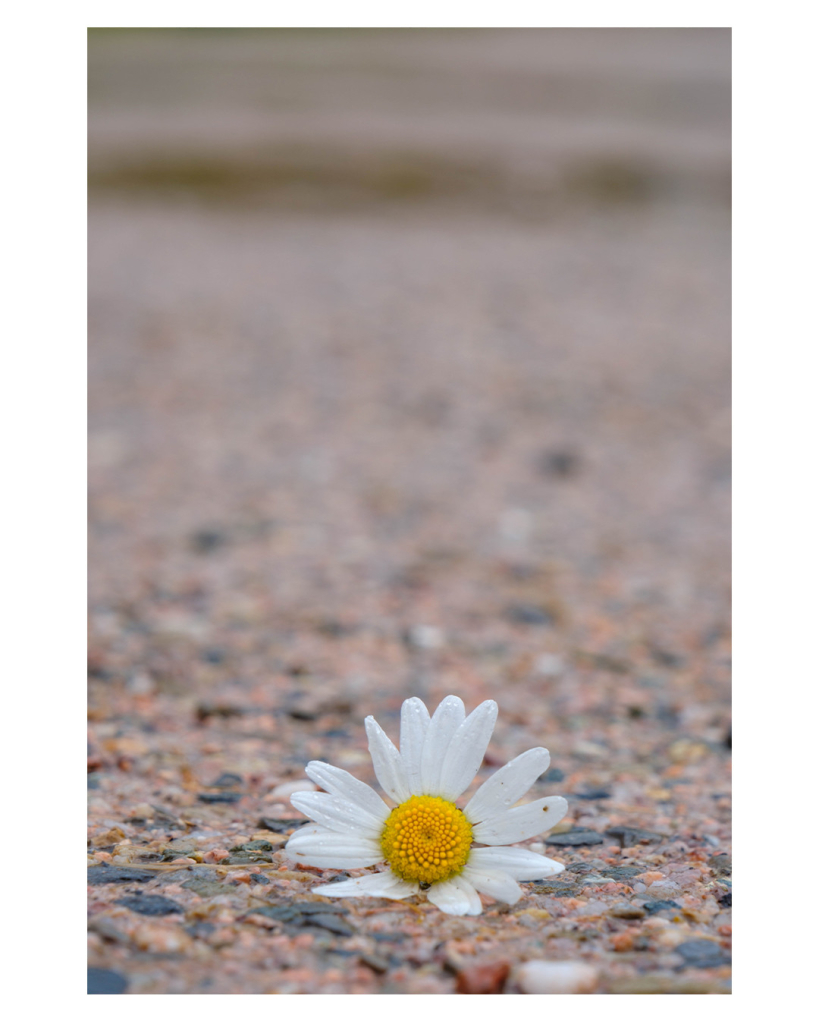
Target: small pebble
<point>482,979</point>
<point>426,637</point>
<point>549,665</point>
<point>702,953</point>
<point>215,856</point>
<point>721,864</point>
<point>150,905</point>
<point>663,890</point>
<point>105,983</point>
<point>556,977</point>
<point>628,911</point>
<point>377,963</point>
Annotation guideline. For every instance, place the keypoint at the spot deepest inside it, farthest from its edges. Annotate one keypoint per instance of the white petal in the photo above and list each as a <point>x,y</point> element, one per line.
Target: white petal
<point>521,823</point>
<point>338,814</point>
<point>389,767</point>
<point>307,830</point>
<point>414,725</point>
<point>337,781</point>
<point>465,754</point>
<point>327,849</point>
<point>508,784</point>
<point>456,896</point>
<point>449,714</point>
<point>498,884</point>
<point>383,883</point>
<point>522,865</point>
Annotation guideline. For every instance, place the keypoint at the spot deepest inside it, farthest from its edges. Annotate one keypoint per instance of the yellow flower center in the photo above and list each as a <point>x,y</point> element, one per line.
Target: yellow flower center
<point>426,839</point>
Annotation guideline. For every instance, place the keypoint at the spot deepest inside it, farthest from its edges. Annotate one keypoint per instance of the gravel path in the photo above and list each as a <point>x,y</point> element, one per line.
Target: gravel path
<point>349,446</point>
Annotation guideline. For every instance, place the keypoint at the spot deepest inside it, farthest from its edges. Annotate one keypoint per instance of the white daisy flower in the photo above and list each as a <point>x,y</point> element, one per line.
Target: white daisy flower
<point>426,840</point>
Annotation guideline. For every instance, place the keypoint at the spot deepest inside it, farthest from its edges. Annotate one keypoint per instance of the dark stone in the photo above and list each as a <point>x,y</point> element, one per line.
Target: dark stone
<point>550,887</point>
<point>304,714</point>
<point>724,899</point>
<point>213,656</point>
<point>105,983</point>
<point>297,669</point>
<point>374,962</point>
<point>388,936</point>
<point>669,716</point>
<point>204,711</point>
<point>198,871</point>
<point>227,780</point>
<point>148,825</point>
<point>257,844</point>
<point>727,740</point>
<point>329,922</point>
<point>259,879</point>
<point>150,906</point>
<point>702,953</point>
<point>107,873</point>
<point>593,794</point>
<point>606,662</point>
<point>667,658</point>
<point>200,929</point>
<point>628,911</point>
<point>552,775</point>
<point>317,908</point>
<point>655,906</point>
<point>629,835</point>
<point>526,614</point>
<point>308,915</point>
<point>93,781</point>
<point>282,825</point>
<point>182,847</point>
<point>720,864</point>
<point>335,629</point>
<point>219,798</point>
<point>286,912</point>
<point>250,857</point>
<point>162,815</point>
<point>623,872</point>
<point>611,664</point>
<point>562,463</point>
<point>207,540</point>
<point>208,886</point>
<point>577,837</point>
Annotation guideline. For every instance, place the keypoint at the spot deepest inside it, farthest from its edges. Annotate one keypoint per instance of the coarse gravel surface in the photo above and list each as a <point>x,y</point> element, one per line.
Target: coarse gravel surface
<point>343,453</point>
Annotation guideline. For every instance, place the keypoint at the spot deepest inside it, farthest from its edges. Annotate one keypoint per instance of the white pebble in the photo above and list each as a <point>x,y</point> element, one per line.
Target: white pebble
<point>556,977</point>
<point>141,684</point>
<point>426,637</point>
<point>515,526</point>
<point>286,789</point>
<point>537,847</point>
<point>664,889</point>
<point>549,665</point>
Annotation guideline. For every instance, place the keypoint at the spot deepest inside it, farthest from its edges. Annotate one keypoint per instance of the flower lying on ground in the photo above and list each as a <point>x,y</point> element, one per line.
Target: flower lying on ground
<point>426,840</point>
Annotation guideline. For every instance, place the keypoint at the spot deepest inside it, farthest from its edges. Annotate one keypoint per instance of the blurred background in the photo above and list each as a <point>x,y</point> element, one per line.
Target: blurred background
<point>409,375</point>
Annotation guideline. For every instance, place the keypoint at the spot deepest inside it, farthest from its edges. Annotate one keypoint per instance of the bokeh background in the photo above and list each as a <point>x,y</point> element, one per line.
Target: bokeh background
<point>409,375</point>
<point>395,328</point>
